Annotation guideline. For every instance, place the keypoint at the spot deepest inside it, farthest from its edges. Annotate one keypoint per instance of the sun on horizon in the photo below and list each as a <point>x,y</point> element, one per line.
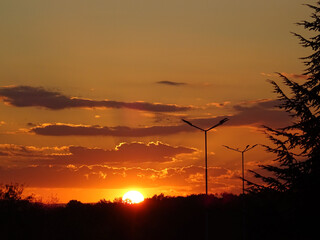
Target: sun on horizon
<point>132,197</point>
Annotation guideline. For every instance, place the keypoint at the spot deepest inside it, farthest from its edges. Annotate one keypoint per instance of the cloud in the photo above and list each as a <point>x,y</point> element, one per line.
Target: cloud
<point>268,74</point>
<point>134,152</point>
<point>296,76</point>
<point>13,150</point>
<point>26,96</point>
<point>260,112</point>
<point>112,177</point>
<point>82,167</point>
<point>218,105</point>
<point>251,113</point>
<point>288,75</point>
<point>61,129</point>
<point>170,83</point>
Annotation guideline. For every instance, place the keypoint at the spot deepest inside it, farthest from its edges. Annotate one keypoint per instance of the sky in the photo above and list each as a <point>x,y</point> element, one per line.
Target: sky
<point>92,93</point>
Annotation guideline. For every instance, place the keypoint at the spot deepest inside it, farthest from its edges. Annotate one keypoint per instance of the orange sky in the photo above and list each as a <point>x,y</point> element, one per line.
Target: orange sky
<point>92,93</point>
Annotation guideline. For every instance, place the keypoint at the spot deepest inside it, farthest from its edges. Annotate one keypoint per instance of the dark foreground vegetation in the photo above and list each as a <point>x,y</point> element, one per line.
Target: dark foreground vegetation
<point>267,216</point>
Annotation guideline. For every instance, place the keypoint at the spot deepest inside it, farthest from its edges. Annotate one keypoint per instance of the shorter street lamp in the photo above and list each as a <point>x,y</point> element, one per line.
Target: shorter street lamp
<point>247,148</point>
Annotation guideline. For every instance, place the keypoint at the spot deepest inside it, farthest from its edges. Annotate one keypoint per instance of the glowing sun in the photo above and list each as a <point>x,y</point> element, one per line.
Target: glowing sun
<point>132,197</point>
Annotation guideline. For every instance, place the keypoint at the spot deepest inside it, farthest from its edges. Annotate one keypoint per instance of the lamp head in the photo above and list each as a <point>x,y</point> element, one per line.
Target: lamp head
<point>223,121</point>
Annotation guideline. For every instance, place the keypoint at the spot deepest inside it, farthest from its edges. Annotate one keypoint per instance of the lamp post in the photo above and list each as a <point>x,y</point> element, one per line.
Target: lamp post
<point>205,144</point>
<point>206,165</point>
<point>246,149</point>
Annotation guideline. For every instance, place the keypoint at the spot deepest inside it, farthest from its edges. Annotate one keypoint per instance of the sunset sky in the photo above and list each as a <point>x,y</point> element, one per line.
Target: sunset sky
<point>92,92</point>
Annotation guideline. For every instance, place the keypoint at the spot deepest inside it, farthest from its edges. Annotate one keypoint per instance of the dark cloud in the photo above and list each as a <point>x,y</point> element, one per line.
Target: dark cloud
<point>135,152</point>
<point>251,113</point>
<point>254,113</point>
<point>170,83</point>
<point>26,96</point>
<point>261,112</point>
<point>3,153</point>
<point>120,131</point>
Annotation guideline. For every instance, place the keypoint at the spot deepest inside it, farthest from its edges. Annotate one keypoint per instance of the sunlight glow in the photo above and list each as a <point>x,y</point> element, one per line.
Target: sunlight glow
<point>132,197</point>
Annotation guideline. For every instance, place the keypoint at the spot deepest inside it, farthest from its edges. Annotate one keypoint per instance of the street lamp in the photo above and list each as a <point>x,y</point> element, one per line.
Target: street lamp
<point>206,164</point>
<point>205,144</point>
<point>247,148</point>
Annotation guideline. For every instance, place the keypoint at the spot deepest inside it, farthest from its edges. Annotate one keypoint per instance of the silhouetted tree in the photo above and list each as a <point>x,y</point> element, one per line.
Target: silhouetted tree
<point>74,204</point>
<point>297,146</point>
<point>12,191</point>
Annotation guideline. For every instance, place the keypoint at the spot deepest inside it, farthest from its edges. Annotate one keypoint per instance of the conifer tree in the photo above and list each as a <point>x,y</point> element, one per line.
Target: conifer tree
<point>297,146</point>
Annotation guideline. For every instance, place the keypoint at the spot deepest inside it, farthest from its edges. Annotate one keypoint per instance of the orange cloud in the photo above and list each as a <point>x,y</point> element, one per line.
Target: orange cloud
<point>12,150</point>
<point>296,76</point>
<point>134,152</point>
<point>218,105</point>
<point>113,177</point>
<point>288,75</point>
<point>82,167</point>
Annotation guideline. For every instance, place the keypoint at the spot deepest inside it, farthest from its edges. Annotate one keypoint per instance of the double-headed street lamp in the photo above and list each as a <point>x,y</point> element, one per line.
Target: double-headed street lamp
<point>205,144</point>
<point>247,148</point>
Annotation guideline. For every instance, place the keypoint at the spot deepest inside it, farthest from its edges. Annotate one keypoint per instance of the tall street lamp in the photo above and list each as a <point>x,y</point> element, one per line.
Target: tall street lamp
<point>205,144</point>
<point>206,165</point>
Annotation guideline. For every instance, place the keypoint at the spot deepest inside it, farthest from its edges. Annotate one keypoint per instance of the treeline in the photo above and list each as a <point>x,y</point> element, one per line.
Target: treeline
<point>262,216</point>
